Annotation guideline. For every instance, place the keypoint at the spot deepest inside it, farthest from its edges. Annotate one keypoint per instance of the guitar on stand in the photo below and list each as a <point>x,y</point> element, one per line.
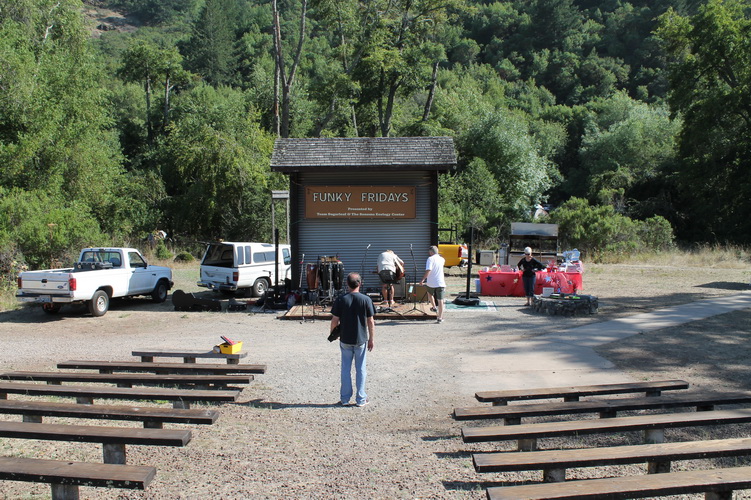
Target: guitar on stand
<point>413,286</point>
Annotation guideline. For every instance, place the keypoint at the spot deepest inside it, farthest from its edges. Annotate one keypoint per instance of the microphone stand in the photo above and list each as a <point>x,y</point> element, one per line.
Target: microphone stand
<point>362,264</point>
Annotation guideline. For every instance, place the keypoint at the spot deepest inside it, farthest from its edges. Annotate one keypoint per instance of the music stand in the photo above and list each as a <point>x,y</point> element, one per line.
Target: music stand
<point>413,287</point>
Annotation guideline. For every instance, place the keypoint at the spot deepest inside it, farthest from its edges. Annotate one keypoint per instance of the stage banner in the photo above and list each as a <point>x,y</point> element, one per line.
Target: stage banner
<point>357,202</point>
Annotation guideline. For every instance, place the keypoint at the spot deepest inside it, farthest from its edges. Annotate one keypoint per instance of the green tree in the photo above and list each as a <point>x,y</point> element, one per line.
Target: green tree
<point>56,135</point>
<point>210,51</point>
<point>710,79</point>
<point>215,165</point>
<point>152,66</point>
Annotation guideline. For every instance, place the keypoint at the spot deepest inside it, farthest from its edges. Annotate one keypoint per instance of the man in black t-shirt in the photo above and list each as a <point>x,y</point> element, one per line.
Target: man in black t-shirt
<point>355,314</point>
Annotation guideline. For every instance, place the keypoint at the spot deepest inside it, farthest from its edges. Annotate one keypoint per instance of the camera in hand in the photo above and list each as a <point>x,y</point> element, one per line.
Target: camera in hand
<point>334,333</point>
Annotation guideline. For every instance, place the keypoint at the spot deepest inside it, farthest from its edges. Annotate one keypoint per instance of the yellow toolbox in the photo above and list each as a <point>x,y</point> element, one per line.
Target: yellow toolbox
<point>226,348</point>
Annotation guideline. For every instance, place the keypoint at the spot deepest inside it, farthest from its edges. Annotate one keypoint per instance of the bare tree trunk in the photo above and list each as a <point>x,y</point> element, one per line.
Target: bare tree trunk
<point>166,109</point>
<point>287,81</point>
<point>431,93</point>
<point>149,128</point>
<point>277,68</point>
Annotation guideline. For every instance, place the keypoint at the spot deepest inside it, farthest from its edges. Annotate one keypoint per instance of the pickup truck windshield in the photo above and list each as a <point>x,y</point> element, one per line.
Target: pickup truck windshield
<point>102,256</point>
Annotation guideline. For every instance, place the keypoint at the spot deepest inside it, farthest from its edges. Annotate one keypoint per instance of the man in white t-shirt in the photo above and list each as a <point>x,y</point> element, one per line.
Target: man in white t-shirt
<point>435,281</point>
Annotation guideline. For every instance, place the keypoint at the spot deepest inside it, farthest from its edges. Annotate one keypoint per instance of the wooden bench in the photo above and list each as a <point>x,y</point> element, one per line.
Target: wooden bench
<point>152,417</point>
<point>65,477</point>
<point>131,379</point>
<point>607,408</point>
<point>573,393</point>
<point>658,457</point>
<point>181,398</point>
<point>653,425</point>
<point>113,439</point>
<point>716,483</point>
<point>189,356</point>
<point>175,368</point>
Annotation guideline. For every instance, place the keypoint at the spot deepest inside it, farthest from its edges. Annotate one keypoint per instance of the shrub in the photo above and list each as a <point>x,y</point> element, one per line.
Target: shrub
<point>162,253</point>
<point>600,231</point>
<point>184,257</point>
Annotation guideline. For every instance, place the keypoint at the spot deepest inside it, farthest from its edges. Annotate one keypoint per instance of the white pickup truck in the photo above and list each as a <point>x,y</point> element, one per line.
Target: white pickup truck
<point>99,275</point>
<point>248,268</point>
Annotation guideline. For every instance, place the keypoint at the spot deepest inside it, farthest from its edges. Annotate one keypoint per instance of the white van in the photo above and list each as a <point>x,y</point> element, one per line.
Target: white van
<point>245,267</point>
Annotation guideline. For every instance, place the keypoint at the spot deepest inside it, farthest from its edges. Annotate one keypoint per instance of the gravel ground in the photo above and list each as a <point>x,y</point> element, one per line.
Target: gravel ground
<point>286,438</point>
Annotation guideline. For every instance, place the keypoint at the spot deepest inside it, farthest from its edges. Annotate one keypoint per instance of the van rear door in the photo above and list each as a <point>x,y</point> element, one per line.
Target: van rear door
<point>217,266</point>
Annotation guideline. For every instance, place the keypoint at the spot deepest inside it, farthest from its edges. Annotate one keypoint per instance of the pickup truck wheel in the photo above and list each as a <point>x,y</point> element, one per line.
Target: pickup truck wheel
<point>51,308</point>
<point>260,287</point>
<point>159,294</point>
<point>99,303</point>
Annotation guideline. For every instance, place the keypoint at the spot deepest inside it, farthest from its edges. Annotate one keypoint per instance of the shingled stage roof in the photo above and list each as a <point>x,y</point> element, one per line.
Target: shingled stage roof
<point>364,154</point>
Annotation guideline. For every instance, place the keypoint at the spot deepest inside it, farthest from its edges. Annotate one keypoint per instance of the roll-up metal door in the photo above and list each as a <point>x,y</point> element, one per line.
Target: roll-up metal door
<point>357,242</point>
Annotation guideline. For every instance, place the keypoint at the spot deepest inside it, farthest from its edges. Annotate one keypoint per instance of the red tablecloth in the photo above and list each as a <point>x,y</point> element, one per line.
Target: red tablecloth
<point>501,284</point>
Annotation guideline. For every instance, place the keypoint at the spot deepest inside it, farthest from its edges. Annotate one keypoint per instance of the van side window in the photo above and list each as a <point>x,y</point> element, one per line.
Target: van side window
<point>286,255</point>
<point>259,257</point>
<point>240,256</point>
<point>247,254</point>
<point>269,256</point>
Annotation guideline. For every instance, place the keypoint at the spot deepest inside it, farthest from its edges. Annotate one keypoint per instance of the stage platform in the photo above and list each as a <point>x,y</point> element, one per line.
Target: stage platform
<point>406,311</point>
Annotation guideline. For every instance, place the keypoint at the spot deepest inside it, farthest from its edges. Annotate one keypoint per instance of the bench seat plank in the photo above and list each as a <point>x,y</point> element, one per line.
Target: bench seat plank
<point>579,391</point>
<point>140,366</point>
<point>611,455</point>
<point>602,405</point>
<point>596,426</point>
<point>72,410</point>
<point>129,378</point>
<point>117,392</point>
<point>674,483</point>
<point>76,473</point>
<point>95,434</point>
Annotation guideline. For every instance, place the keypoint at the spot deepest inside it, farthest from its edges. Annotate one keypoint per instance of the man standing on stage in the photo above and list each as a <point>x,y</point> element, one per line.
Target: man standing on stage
<point>355,314</point>
<point>435,281</point>
<point>388,262</point>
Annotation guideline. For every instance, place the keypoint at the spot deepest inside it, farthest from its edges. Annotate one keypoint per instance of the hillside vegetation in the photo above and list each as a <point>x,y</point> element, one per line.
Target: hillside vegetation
<point>121,117</point>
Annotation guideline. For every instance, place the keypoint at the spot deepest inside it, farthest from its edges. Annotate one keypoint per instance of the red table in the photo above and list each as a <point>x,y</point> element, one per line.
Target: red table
<point>503,284</point>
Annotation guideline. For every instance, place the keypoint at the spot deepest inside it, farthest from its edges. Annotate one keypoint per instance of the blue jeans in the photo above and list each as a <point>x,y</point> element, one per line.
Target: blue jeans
<point>358,353</point>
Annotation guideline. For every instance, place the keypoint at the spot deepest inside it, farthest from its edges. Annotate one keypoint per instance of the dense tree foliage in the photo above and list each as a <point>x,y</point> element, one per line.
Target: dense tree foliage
<point>631,115</point>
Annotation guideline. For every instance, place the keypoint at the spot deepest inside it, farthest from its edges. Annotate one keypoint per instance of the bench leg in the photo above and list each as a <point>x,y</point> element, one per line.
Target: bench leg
<point>608,414</point>
<point>189,360</point>
<point>150,424</point>
<point>84,400</point>
<point>654,436</point>
<point>527,444</point>
<point>125,384</point>
<point>553,475</point>
<point>512,421</point>
<point>234,361</point>
<point>705,408</point>
<point>114,453</point>
<point>3,395</point>
<point>64,492</point>
<point>35,419</point>
<point>54,382</point>
<point>569,399</point>
<point>147,359</point>
<point>105,370</point>
<point>718,495</point>
<point>652,393</point>
<point>181,404</point>
<point>656,467</point>
<point>503,402</point>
